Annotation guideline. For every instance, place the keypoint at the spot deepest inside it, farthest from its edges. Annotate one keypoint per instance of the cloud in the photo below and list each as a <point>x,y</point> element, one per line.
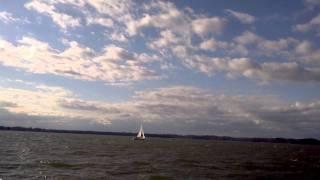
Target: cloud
<point>175,109</point>
<point>199,108</point>
<point>101,21</point>
<point>172,25</point>
<point>122,15</point>
<point>5,104</point>
<point>91,12</point>
<point>39,101</point>
<point>312,3</point>
<point>243,66</point>
<point>76,104</point>
<point>116,36</point>
<point>262,72</point>
<point>7,17</point>
<point>168,17</point>
<point>242,17</point>
<point>113,64</point>
<point>170,33</point>
<point>42,101</point>
<point>204,26</point>
<point>50,122</point>
<point>312,25</point>
<point>61,19</point>
<point>112,8</point>
<point>213,45</point>
<point>304,47</point>
<point>306,53</point>
<point>257,45</point>
<point>247,38</point>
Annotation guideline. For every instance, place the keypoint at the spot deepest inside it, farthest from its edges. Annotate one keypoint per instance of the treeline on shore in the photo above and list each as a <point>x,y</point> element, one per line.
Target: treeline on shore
<point>310,141</point>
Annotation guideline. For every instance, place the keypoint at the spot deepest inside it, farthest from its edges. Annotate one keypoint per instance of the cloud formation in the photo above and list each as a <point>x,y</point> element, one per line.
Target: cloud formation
<point>178,33</point>
<point>7,17</point>
<point>113,64</point>
<point>242,17</point>
<point>177,108</point>
<point>312,25</point>
<point>61,19</point>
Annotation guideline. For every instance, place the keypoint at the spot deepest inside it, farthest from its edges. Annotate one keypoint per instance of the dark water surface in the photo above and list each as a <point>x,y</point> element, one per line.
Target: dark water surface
<point>34,155</point>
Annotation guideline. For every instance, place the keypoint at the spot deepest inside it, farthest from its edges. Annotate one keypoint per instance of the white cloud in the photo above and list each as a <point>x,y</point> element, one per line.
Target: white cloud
<point>248,42</point>
<point>44,101</point>
<point>115,53</point>
<point>247,38</point>
<point>61,19</point>
<point>40,101</point>
<point>243,17</point>
<point>306,53</point>
<point>191,106</point>
<point>204,26</point>
<point>119,37</point>
<point>112,8</point>
<point>313,24</point>
<point>168,17</point>
<point>113,64</point>
<point>192,38</point>
<point>7,17</point>
<point>257,45</point>
<point>213,45</point>
<point>167,38</point>
<point>175,109</point>
<point>304,48</point>
<point>101,21</point>
<point>262,72</point>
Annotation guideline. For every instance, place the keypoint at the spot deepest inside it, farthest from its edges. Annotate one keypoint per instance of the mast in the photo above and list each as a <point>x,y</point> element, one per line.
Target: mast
<point>141,130</point>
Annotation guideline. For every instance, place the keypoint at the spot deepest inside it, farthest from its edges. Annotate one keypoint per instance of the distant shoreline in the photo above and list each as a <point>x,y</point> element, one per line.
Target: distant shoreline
<point>305,141</point>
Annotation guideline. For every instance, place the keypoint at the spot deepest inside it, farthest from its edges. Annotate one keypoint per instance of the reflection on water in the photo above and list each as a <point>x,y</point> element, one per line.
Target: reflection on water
<point>72,156</point>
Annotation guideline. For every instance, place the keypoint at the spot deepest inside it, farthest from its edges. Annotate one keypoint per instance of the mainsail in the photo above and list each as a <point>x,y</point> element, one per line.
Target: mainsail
<point>140,134</point>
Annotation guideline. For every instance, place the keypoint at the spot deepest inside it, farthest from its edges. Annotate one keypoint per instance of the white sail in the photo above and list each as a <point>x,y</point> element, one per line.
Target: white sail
<point>140,134</point>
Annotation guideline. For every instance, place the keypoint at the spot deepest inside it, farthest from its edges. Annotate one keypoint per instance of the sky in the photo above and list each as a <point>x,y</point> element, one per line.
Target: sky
<point>211,67</point>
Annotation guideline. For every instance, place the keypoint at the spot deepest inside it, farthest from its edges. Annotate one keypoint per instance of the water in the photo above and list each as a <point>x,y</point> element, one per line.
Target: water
<point>30,155</point>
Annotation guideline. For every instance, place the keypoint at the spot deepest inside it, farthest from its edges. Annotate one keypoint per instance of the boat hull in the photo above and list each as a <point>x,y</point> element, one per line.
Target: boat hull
<point>139,139</point>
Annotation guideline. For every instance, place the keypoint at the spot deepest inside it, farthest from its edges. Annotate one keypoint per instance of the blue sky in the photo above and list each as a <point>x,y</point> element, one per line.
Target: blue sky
<point>249,68</point>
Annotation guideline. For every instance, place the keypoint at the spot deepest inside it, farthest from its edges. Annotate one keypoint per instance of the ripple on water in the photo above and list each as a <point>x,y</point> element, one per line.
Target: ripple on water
<point>63,165</point>
<point>159,177</point>
<point>75,156</point>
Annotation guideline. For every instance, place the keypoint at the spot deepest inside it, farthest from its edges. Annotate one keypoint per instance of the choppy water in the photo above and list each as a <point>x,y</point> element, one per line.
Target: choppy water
<point>29,155</point>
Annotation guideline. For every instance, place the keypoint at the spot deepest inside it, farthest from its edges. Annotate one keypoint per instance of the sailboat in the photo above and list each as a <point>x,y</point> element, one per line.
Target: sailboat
<point>140,135</point>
